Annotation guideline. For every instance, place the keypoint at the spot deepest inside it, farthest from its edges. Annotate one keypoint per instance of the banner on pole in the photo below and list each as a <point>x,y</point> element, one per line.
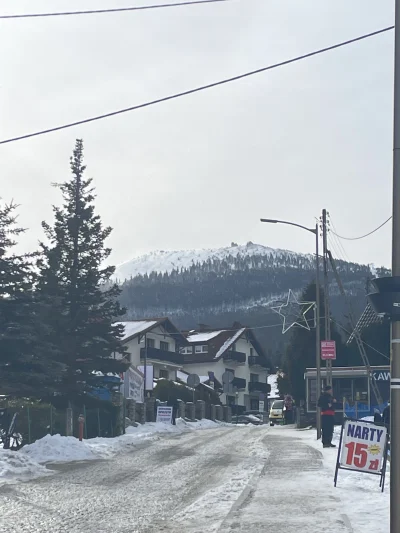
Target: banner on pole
<point>363,448</point>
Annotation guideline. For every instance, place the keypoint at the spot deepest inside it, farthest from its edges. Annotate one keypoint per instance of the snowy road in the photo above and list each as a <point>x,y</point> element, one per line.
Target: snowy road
<point>224,480</point>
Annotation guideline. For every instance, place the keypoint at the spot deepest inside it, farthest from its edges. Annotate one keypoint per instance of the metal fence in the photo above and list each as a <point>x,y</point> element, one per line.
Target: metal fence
<point>36,419</point>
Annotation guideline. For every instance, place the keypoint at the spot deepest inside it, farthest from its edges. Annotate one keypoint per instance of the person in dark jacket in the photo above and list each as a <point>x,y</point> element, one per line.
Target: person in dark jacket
<point>326,404</point>
<point>386,417</point>
<point>377,417</point>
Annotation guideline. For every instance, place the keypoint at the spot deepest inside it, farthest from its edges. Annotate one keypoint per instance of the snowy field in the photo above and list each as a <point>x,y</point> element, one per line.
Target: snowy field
<point>175,479</point>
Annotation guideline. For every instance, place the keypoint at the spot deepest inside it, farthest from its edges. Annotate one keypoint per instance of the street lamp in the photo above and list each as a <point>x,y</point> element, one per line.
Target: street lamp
<point>315,231</point>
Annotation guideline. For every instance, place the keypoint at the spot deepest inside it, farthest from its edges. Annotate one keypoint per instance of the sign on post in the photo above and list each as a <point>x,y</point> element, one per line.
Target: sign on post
<point>328,350</point>
<point>164,414</point>
<point>363,448</point>
<point>261,405</point>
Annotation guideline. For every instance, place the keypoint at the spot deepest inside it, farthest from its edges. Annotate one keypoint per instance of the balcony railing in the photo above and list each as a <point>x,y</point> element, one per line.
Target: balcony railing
<point>162,355</point>
<point>256,360</point>
<point>235,357</point>
<point>258,386</point>
<point>239,383</point>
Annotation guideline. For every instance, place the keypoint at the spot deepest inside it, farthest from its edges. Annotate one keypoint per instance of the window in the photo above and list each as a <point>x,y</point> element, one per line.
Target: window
<point>254,378</point>
<point>164,346</point>
<point>201,349</point>
<point>186,350</point>
<point>150,343</point>
<point>164,373</point>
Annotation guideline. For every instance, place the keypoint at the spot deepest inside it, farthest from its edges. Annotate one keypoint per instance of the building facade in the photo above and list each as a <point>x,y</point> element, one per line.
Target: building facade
<point>234,352</point>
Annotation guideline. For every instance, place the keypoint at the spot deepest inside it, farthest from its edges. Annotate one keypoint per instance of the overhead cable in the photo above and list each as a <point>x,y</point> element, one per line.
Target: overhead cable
<point>362,236</point>
<point>110,10</point>
<point>197,89</point>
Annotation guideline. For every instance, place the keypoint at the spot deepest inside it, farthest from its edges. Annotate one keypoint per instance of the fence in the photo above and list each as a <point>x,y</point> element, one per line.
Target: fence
<point>35,420</point>
<point>360,409</point>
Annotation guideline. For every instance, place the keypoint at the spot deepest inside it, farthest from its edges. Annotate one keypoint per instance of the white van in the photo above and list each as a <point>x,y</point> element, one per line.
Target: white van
<point>276,415</point>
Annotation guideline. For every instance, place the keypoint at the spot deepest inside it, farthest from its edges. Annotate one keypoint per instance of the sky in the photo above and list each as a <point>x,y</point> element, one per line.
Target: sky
<point>200,171</point>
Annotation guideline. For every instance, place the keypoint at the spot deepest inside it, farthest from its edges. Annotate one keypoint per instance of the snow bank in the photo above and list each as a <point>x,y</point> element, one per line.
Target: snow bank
<point>15,466</point>
<point>30,461</point>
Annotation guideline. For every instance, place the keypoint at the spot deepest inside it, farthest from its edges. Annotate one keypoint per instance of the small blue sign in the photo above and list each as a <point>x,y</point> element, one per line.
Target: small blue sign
<point>262,396</point>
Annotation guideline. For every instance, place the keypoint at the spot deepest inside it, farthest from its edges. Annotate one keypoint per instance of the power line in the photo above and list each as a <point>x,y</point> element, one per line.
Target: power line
<point>111,10</point>
<point>197,89</point>
<point>338,241</point>
<point>363,236</point>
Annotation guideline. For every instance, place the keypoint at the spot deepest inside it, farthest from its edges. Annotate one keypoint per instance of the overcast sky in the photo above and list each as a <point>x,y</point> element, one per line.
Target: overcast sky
<point>200,171</point>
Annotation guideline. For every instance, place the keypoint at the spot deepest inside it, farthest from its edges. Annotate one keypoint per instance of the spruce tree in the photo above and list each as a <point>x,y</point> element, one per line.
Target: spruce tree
<point>26,368</point>
<point>75,283</point>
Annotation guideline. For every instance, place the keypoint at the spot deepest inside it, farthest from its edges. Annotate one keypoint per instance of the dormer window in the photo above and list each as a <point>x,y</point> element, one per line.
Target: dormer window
<point>201,348</point>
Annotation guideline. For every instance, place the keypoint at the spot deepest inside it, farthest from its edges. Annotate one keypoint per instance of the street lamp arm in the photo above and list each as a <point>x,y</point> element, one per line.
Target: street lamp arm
<point>272,221</point>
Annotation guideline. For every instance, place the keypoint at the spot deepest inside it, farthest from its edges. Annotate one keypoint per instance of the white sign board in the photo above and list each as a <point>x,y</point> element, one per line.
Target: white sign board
<point>261,405</point>
<point>363,446</point>
<point>164,414</point>
<point>134,385</point>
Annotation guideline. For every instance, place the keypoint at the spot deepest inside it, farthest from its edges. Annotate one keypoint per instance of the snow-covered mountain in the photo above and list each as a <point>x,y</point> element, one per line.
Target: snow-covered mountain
<point>167,261</point>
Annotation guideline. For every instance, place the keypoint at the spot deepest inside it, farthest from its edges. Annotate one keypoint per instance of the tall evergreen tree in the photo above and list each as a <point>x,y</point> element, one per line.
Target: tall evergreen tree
<point>25,365</point>
<point>73,278</point>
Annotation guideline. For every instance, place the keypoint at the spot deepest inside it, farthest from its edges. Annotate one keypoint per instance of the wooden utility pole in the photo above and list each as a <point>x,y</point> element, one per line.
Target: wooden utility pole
<point>327,320</point>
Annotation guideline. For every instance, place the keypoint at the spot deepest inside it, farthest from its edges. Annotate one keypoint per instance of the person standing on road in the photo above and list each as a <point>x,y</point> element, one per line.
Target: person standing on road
<point>288,412</point>
<point>386,417</point>
<point>325,402</point>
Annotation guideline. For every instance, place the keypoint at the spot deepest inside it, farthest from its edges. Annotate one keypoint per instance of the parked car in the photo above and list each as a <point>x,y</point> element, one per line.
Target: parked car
<point>276,415</point>
<point>258,414</point>
<point>247,419</point>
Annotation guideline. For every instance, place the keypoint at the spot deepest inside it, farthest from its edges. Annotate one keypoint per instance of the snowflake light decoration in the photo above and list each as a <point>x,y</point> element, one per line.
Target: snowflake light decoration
<point>293,312</point>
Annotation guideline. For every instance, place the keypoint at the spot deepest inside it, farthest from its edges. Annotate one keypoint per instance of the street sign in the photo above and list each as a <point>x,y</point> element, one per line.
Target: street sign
<point>261,405</point>
<point>193,380</point>
<point>262,396</point>
<point>328,350</point>
<point>363,448</point>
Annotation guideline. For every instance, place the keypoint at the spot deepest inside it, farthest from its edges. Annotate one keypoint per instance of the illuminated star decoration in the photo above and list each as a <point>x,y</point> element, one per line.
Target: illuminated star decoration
<point>293,312</point>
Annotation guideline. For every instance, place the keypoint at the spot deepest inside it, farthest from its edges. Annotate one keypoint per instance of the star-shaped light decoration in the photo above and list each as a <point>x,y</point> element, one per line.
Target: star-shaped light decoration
<point>293,312</point>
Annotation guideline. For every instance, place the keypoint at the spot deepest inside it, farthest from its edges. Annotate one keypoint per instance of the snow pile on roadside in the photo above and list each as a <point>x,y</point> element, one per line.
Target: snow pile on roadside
<point>29,462</point>
<point>18,467</point>
<point>55,449</point>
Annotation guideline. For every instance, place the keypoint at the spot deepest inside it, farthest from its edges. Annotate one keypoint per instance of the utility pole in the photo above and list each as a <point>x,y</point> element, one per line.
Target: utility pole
<point>395,335</point>
<point>327,320</point>
<point>317,331</point>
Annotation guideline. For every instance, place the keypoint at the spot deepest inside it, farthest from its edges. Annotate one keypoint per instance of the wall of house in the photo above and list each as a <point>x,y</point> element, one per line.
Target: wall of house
<point>240,371</point>
<point>158,335</point>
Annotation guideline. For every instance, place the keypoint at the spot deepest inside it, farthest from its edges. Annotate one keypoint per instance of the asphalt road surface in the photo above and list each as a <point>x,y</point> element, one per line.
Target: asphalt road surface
<point>225,480</point>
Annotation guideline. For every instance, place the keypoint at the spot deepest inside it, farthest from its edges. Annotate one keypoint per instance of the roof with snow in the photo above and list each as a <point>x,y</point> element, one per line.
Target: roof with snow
<point>203,337</point>
<point>133,328</point>
<point>219,342</point>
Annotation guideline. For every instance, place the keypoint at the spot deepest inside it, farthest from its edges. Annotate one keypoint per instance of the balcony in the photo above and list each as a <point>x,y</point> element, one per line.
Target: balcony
<point>257,360</point>
<point>258,386</point>
<point>162,355</point>
<point>235,357</point>
<point>239,383</point>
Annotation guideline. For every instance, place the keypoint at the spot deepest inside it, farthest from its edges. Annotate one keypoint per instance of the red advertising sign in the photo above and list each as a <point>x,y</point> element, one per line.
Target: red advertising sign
<point>328,350</point>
